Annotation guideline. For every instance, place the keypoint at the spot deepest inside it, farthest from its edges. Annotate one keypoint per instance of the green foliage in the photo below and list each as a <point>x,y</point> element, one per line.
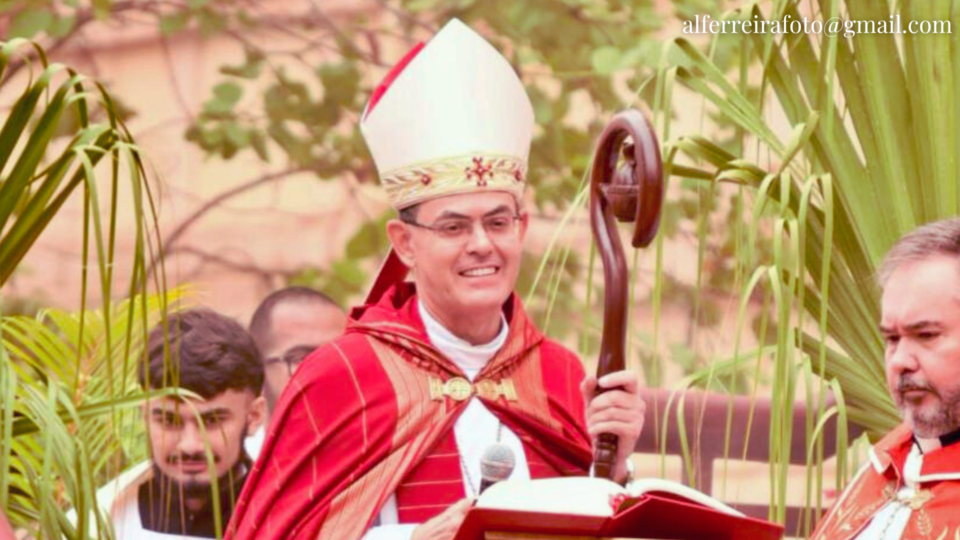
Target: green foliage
<point>37,182</point>
<point>555,276</point>
<point>830,197</point>
<point>67,374</point>
<point>370,240</point>
<point>251,67</point>
<point>59,373</point>
<point>297,108</point>
<point>30,22</point>
<point>171,24</point>
<point>346,278</point>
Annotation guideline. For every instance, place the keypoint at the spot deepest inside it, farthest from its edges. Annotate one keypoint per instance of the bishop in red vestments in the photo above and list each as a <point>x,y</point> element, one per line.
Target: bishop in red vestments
<point>376,418</point>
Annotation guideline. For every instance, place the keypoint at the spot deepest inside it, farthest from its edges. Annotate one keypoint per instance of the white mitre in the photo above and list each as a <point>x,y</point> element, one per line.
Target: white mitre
<point>451,118</point>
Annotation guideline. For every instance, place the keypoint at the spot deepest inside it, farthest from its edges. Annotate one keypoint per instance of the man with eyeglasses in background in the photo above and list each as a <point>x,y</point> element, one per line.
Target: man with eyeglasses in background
<point>287,326</point>
<point>379,434</point>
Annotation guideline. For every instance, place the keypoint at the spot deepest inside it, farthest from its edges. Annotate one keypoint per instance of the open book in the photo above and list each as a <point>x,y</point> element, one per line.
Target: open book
<point>595,507</point>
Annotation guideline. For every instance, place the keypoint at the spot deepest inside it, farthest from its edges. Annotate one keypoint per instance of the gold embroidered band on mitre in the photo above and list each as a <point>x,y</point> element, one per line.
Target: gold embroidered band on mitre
<point>454,175</point>
<point>460,389</point>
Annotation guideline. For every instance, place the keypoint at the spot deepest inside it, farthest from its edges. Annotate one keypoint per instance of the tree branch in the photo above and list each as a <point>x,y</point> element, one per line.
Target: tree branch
<point>174,80</point>
<point>405,16</point>
<point>264,273</point>
<point>172,239</point>
<point>82,18</point>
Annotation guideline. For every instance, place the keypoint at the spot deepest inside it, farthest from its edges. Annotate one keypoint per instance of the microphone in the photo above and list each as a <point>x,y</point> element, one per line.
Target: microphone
<point>496,464</point>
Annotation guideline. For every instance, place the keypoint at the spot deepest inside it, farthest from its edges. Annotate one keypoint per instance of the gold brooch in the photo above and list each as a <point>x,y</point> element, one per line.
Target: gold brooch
<point>492,391</point>
<point>917,499</point>
<point>460,389</point>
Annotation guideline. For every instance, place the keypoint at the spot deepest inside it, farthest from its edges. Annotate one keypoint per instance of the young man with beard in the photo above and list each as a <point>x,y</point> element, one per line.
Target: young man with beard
<point>379,434</point>
<point>194,443</point>
<point>289,324</point>
<point>910,489</point>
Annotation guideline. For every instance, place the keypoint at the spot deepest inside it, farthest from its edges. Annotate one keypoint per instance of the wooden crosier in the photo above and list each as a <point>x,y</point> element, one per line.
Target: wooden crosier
<point>631,192</point>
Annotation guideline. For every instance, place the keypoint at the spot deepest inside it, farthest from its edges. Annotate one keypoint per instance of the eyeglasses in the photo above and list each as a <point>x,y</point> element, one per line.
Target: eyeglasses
<point>496,226</point>
<point>292,357</point>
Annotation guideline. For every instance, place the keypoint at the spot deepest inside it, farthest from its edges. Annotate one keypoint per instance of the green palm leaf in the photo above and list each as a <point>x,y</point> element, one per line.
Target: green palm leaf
<point>67,380</point>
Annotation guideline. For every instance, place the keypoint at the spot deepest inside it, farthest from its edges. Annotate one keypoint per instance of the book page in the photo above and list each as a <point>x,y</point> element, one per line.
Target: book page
<point>653,485</point>
<point>586,496</point>
<point>575,495</point>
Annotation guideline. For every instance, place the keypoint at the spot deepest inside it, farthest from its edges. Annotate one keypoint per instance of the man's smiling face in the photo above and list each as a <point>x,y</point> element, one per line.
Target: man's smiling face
<point>468,262</point>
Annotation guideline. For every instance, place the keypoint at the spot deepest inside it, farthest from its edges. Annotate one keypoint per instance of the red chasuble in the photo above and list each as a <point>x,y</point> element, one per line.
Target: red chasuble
<point>361,419</point>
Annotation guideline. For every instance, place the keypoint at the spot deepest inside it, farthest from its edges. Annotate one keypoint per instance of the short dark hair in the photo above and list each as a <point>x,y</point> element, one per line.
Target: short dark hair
<point>202,351</point>
<point>263,315</point>
<point>408,214</point>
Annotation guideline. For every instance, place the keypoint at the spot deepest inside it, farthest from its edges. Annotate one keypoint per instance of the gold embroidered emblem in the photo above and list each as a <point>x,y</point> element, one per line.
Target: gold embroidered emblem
<point>916,500</point>
<point>460,389</point>
<point>491,390</point>
<point>436,389</point>
<point>924,523</point>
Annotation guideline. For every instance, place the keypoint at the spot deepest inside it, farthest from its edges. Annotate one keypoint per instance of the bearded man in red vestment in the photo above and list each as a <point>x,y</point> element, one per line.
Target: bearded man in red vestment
<point>910,487</point>
<point>379,434</point>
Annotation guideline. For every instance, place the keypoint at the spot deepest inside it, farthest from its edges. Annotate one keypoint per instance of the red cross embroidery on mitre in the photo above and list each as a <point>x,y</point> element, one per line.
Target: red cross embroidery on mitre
<point>479,171</point>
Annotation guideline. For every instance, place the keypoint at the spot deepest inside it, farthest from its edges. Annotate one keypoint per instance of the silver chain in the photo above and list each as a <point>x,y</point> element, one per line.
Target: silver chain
<point>892,518</point>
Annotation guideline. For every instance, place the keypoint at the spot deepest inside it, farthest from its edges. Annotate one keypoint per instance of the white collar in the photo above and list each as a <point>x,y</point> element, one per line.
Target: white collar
<point>470,358</point>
